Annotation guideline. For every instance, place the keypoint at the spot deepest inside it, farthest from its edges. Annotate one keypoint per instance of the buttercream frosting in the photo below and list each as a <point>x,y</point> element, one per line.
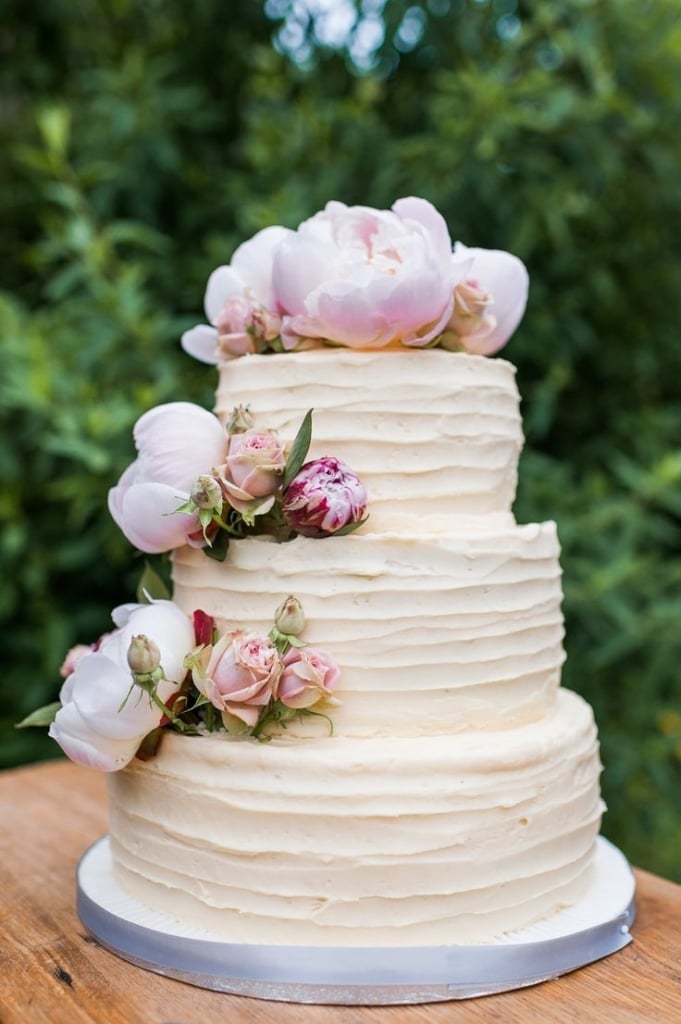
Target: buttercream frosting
<point>388,841</point>
<point>456,795</point>
<point>430,433</point>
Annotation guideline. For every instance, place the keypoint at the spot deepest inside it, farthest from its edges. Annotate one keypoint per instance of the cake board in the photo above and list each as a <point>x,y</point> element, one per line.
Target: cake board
<point>594,928</point>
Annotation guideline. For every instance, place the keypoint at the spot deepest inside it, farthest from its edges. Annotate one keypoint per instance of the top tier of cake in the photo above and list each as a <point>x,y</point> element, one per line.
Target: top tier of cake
<point>431,434</point>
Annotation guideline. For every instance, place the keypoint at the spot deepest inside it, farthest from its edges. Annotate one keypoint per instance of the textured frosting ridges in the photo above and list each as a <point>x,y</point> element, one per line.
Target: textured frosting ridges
<point>458,796</point>
<point>363,842</point>
<point>430,433</point>
<point>433,634</point>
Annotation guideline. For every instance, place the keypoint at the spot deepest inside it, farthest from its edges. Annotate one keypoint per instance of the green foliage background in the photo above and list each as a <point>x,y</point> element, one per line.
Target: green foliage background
<point>142,140</point>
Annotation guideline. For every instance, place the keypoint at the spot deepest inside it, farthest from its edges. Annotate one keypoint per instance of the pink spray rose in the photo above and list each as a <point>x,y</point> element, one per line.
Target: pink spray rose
<point>323,497</point>
<point>253,470</point>
<point>489,304</point>
<point>176,443</point>
<point>239,303</point>
<point>367,278</point>
<point>308,676</point>
<point>239,674</point>
<point>104,717</point>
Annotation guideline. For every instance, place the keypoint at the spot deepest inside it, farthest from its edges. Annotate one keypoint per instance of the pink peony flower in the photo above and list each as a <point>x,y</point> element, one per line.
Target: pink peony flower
<point>239,674</point>
<point>489,304</point>
<point>239,303</point>
<point>176,443</point>
<point>323,497</point>
<point>253,470</point>
<point>307,677</point>
<point>97,725</point>
<point>367,278</point>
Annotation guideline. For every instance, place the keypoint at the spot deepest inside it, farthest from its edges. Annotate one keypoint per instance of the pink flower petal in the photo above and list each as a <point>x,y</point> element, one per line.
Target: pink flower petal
<point>301,264</point>
<point>178,442</point>
<point>146,514</point>
<point>224,284</point>
<point>201,343</point>
<point>506,279</point>
<point>84,747</point>
<point>253,261</point>
<point>244,712</point>
<point>422,212</point>
<point>164,622</point>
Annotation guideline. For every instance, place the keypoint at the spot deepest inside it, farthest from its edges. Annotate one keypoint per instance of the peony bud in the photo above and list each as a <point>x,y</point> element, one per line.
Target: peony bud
<point>289,618</point>
<point>144,657</point>
<point>207,493</point>
<point>324,497</point>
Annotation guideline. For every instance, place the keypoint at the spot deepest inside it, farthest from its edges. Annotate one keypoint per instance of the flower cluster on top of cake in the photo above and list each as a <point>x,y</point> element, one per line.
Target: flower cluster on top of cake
<point>349,276</point>
<point>360,278</point>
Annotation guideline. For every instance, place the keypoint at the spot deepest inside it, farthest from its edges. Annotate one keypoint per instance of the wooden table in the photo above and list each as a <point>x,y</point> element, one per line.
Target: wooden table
<point>52,972</point>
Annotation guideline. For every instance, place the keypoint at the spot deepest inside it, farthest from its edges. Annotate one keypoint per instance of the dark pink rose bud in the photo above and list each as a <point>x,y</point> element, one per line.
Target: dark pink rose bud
<point>324,497</point>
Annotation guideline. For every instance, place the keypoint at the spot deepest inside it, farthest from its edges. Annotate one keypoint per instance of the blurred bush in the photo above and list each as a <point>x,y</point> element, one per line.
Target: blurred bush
<point>144,139</point>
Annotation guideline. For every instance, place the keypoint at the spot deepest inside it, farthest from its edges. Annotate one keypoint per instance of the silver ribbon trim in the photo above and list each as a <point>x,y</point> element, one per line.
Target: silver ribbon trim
<point>348,975</point>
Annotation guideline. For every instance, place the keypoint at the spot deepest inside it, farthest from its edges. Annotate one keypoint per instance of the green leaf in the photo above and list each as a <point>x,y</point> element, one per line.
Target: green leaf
<point>42,716</point>
<point>349,528</point>
<point>148,748</point>
<point>218,549</point>
<point>151,587</point>
<point>299,450</point>
<point>54,124</point>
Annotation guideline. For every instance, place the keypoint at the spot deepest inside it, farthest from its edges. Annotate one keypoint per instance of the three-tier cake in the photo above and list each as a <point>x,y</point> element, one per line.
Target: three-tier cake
<point>394,761</point>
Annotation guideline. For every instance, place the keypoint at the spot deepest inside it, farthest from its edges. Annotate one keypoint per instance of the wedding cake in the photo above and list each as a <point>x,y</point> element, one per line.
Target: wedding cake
<point>347,727</point>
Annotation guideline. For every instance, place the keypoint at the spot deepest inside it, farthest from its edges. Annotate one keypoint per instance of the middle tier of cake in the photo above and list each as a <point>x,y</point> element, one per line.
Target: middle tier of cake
<point>433,634</point>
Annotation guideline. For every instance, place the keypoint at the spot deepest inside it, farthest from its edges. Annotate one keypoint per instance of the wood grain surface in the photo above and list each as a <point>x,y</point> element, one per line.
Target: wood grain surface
<point>53,972</point>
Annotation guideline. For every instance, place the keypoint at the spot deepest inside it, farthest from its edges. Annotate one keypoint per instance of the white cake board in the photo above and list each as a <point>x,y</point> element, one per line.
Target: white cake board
<point>597,926</point>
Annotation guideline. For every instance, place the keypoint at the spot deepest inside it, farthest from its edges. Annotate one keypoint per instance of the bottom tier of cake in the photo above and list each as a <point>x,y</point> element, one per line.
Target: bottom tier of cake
<point>363,842</point>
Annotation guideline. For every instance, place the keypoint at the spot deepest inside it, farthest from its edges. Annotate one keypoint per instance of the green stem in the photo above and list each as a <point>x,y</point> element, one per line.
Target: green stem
<point>170,714</point>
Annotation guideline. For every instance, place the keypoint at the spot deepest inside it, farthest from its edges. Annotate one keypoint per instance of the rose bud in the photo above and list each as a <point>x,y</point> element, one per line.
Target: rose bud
<point>308,676</point>
<point>489,300</point>
<point>240,421</point>
<point>232,323</point>
<point>264,324</point>
<point>324,497</point>
<point>144,656</point>
<point>470,314</point>
<point>289,618</point>
<point>207,493</point>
